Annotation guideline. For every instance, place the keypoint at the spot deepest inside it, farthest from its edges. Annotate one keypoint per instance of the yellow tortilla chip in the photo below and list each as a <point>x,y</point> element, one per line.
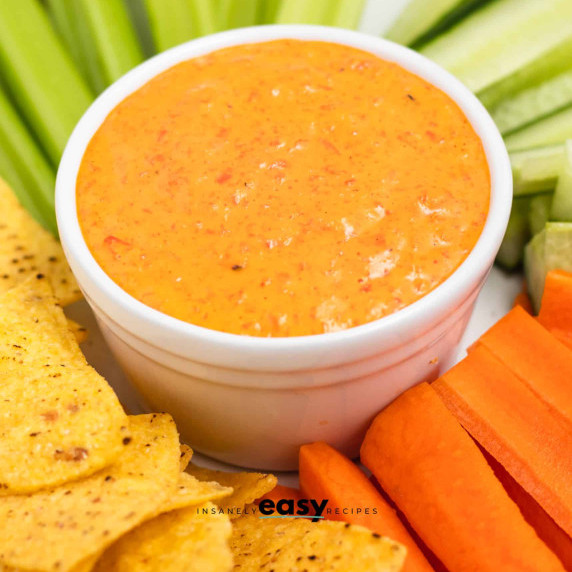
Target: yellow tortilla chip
<point>58,529</point>
<point>186,456</point>
<point>191,491</point>
<point>59,419</point>
<point>78,331</point>
<point>187,540</point>
<point>33,327</point>
<point>26,249</point>
<point>247,487</point>
<point>298,544</point>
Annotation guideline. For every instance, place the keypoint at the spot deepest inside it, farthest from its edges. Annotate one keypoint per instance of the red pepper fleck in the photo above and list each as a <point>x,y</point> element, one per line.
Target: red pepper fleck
<point>223,177</point>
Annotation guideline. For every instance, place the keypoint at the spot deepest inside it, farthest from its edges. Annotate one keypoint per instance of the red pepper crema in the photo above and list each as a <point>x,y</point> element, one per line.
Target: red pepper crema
<point>283,188</point>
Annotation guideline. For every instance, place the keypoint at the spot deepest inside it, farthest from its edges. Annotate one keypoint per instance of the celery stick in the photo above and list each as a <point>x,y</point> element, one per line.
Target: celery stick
<point>171,22</point>
<point>539,212</point>
<point>452,18</point>
<point>417,18</point>
<point>305,12</point>
<point>534,104</point>
<point>517,233</point>
<point>205,19</point>
<point>70,21</point>
<point>544,68</point>
<point>25,167</point>
<point>239,13</point>
<point>268,9</point>
<point>50,92</point>
<point>501,38</point>
<point>551,130</point>
<point>115,36</point>
<point>140,18</point>
<point>562,203</point>
<point>536,170</point>
<point>348,14</point>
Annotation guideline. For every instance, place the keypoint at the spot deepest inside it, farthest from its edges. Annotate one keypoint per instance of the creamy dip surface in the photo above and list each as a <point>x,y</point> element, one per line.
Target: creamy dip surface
<point>283,188</point>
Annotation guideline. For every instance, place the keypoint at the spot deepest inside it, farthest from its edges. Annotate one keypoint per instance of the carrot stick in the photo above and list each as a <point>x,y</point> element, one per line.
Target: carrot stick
<point>535,356</point>
<point>436,475</point>
<point>556,306</point>
<point>563,337</point>
<point>548,531</point>
<point>523,300</point>
<point>327,474</point>
<point>515,427</point>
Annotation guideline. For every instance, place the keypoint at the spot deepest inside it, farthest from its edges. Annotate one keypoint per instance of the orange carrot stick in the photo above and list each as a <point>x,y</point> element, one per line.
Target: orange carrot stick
<point>327,474</point>
<point>535,356</point>
<point>515,427</point>
<point>563,337</point>
<point>548,531</point>
<point>523,300</point>
<point>435,473</point>
<point>556,306</point>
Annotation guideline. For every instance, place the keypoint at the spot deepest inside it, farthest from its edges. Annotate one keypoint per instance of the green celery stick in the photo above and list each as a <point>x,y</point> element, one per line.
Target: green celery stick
<point>305,12</point>
<point>204,17</point>
<point>347,14</point>
<point>542,69</point>
<point>117,44</point>
<point>501,38</point>
<point>531,105</point>
<point>25,167</point>
<point>551,130</point>
<point>268,9</point>
<point>452,18</point>
<point>239,13</point>
<point>562,203</point>
<point>42,78</point>
<point>539,212</point>
<point>517,233</point>
<point>536,170</point>
<point>417,18</point>
<point>171,22</point>
<point>70,21</point>
<point>140,18</point>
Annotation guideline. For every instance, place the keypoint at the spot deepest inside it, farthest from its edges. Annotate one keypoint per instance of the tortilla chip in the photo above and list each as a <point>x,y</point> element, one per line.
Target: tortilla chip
<point>59,419</point>
<point>78,331</point>
<point>33,327</point>
<point>188,540</point>
<point>186,456</point>
<point>192,492</point>
<point>58,529</point>
<point>28,249</point>
<point>298,544</point>
<point>247,487</point>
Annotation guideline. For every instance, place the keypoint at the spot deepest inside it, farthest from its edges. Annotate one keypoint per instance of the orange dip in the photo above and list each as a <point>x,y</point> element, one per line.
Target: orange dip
<point>283,188</point>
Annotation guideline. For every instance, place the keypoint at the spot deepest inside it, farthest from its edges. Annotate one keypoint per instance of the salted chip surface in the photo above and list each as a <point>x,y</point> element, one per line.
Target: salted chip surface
<point>33,327</point>
<point>187,540</point>
<point>298,544</point>
<point>59,419</point>
<point>27,249</point>
<point>247,487</point>
<point>191,491</point>
<point>79,332</point>
<point>60,528</point>
<point>186,456</point>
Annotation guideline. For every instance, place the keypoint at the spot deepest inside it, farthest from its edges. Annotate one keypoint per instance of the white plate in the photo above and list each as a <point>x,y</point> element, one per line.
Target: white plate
<point>495,300</point>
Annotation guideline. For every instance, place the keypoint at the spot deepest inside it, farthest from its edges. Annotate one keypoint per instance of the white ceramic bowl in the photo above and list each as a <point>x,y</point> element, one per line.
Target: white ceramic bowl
<point>253,401</point>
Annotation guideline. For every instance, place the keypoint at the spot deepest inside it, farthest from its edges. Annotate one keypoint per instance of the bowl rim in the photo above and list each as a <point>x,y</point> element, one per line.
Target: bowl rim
<point>271,354</point>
